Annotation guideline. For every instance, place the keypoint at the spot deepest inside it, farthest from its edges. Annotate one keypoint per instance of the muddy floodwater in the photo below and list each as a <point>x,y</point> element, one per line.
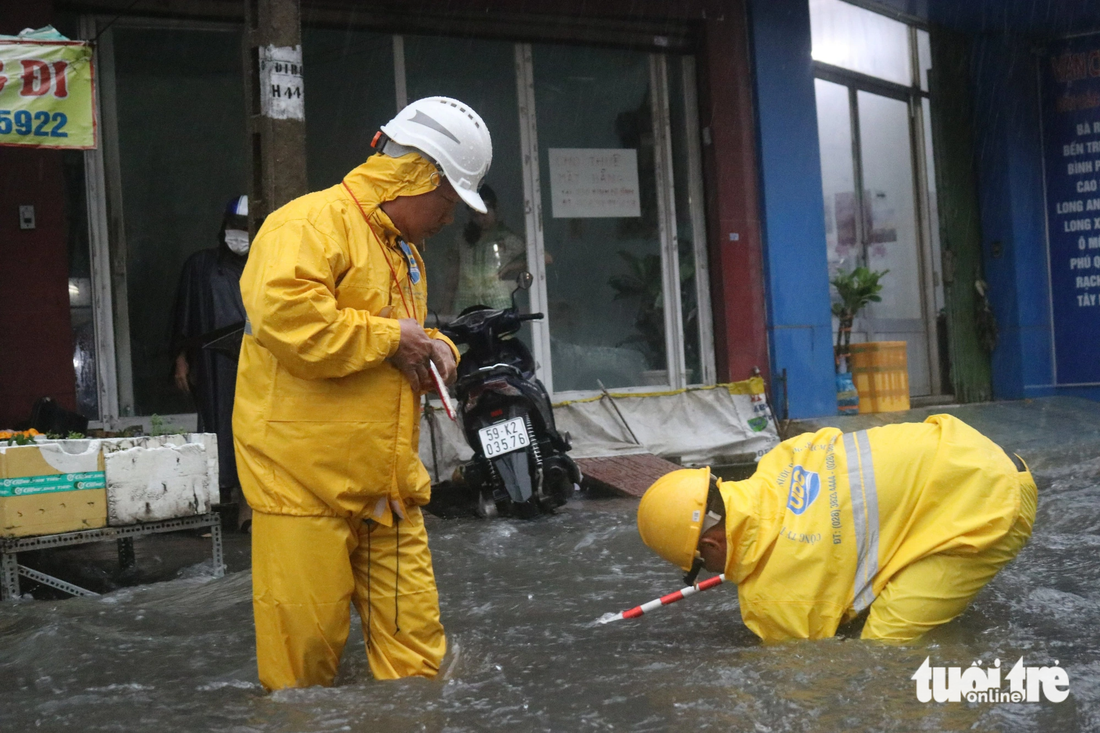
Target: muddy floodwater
<point>520,602</point>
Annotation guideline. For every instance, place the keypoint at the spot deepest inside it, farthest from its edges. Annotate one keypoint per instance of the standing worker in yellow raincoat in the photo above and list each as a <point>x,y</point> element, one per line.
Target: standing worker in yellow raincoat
<point>333,365</point>
<point>907,522</point>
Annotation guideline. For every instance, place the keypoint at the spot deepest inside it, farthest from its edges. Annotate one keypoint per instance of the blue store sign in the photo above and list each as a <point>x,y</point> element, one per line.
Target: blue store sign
<point>1071,141</point>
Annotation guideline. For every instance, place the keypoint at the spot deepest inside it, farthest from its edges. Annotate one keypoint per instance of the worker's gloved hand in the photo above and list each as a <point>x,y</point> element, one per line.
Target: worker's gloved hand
<point>444,360</point>
<point>412,355</point>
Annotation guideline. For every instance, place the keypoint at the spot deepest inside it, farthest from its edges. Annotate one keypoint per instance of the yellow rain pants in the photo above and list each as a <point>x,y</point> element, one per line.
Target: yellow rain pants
<point>909,521</point>
<point>301,598</point>
<point>936,589</point>
<point>326,431</point>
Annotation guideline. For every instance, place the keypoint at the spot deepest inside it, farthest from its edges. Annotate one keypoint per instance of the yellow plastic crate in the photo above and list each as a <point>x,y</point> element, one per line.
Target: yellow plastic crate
<point>880,370</point>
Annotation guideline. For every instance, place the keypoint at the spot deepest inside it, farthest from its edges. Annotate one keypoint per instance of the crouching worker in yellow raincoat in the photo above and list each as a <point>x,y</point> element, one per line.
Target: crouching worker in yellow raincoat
<point>326,423</point>
<point>907,522</point>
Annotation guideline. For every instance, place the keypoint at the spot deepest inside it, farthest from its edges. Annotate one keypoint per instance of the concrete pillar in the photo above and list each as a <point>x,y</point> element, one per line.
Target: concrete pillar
<point>276,106</point>
<point>733,204</point>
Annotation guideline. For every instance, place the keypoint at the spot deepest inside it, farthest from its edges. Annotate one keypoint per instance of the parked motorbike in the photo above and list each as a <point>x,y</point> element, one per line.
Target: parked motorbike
<point>520,465</point>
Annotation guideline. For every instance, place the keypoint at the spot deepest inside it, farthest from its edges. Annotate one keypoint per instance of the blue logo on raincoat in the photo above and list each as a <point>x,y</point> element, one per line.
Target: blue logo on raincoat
<point>414,269</point>
<point>805,486</point>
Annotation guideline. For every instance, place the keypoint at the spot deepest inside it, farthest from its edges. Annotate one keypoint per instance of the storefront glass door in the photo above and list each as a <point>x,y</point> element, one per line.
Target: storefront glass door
<point>596,151</point>
<point>871,103</point>
<point>474,260</point>
<point>174,132</point>
<point>891,241</point>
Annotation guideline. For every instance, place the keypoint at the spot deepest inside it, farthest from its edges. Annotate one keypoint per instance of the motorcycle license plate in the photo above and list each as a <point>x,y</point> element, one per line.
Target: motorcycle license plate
<point>504,437</point>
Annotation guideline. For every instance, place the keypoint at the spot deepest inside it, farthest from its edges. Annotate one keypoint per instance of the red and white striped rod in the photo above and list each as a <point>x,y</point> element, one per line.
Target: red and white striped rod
<point>664,600</point>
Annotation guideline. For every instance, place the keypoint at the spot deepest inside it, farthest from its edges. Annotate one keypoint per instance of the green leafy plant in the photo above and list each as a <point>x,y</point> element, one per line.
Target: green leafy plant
<point>642,283</point>
<point>855,289</point>
<point>159,426</point>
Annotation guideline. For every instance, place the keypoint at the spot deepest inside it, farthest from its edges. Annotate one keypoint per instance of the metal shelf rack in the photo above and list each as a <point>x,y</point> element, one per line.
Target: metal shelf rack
<point>10,569</point>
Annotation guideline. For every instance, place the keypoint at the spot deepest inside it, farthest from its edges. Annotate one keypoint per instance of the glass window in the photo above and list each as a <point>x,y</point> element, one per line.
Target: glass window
<point>180,107</point>
<point>857,39</point>
<point>933,204</point>
<point>604,280</point>
<point>80,285</point>
<point>889,204</point>
<point>685,234</point>
<point>834,131</point>
<point>475,260</point>
<point>891,238</point>
<point>349,93</point>
<point>924,57</point>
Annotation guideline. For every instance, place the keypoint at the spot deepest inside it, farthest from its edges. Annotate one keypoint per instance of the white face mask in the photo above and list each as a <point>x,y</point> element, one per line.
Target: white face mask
<point>237,241</point>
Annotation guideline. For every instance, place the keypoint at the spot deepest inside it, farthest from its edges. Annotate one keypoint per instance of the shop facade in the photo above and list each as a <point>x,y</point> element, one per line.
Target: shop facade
<point>755,150</point>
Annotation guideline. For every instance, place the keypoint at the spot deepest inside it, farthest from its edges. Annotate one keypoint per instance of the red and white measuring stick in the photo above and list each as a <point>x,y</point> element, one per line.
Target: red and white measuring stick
<point>448,402</point>
<point>665,600</point>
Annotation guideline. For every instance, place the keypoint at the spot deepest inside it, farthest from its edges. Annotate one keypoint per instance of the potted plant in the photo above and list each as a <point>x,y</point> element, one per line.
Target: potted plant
<point>642,283</point>
<point>854,289</point>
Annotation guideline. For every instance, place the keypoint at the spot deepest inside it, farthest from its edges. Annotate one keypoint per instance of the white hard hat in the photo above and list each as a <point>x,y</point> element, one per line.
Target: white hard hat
<point>453,136</point>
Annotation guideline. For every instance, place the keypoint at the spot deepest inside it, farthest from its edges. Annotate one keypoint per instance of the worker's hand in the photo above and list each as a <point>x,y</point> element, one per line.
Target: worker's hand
<point>183,371</point>
<point>444,360</point>
<point>412,355</point>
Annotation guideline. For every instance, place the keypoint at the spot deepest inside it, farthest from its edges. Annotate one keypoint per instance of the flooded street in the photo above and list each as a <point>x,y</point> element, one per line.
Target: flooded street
<point>520,601</point>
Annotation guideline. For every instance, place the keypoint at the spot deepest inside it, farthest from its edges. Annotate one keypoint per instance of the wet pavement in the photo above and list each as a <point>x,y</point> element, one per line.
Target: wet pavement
<point>520,600</point>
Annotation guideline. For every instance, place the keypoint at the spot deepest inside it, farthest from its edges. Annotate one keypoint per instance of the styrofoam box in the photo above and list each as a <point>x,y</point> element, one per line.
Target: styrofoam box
<point>153,478</point>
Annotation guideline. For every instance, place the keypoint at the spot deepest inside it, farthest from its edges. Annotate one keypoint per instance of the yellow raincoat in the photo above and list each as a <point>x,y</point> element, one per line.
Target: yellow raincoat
<point>909,520</point>
<point>326,431</point>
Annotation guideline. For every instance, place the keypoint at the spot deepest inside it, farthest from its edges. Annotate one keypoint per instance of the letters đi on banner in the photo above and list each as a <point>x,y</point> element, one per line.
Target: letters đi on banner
<point>47,94</point>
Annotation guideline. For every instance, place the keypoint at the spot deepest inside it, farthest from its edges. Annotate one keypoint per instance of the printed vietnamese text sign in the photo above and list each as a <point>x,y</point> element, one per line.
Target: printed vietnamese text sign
<point>1071,144</point>
<point>47,95</point>
<point>594,183</point>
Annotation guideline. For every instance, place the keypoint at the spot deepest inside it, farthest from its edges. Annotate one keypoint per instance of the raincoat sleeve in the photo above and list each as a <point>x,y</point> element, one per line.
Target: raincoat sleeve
<point>290,298</point>
<point>435,333</point>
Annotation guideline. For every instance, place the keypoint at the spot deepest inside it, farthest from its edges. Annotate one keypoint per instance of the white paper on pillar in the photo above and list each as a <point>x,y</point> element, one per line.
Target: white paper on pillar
<point>594,183</point>
<point>281,96</point>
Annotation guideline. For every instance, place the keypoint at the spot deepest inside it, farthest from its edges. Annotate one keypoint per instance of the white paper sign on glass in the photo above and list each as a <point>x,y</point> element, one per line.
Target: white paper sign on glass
<point>594,183</point>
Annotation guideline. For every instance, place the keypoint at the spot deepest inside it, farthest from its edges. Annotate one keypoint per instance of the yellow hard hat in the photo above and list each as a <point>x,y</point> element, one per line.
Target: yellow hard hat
<point>670,516</point>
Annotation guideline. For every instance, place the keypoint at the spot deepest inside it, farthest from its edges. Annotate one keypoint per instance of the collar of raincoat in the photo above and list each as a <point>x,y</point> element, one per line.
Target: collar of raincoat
<point>382,178</point>
<point>745,527</point>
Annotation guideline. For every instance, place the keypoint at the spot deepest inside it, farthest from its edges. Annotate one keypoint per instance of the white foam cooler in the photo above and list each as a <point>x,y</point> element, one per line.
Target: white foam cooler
<point>153,478</point>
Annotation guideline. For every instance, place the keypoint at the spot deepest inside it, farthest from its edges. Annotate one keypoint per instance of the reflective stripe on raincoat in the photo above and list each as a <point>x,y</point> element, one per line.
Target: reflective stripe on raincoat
<point>828,519</point>
<point>323,424</point>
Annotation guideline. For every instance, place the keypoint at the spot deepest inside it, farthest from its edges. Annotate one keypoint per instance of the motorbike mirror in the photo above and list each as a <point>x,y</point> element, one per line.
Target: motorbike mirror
<point>523,282</point>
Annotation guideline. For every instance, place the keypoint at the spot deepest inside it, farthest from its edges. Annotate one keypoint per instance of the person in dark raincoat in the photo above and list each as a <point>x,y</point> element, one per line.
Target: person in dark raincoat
<point>208,303</point>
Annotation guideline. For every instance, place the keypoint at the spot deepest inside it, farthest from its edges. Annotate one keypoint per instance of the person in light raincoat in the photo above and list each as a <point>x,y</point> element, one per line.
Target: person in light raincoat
<point>489,256</point>
<point>903,523</point>
<point>326,425</point>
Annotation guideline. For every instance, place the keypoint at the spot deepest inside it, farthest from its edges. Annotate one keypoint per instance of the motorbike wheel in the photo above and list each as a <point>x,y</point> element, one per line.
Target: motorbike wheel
<point>527,510</point>
<point>561,487</point>
<point>486,507</point>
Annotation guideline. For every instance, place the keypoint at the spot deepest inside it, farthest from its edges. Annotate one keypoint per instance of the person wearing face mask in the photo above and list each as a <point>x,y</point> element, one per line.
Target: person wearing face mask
<point>208,300</point>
